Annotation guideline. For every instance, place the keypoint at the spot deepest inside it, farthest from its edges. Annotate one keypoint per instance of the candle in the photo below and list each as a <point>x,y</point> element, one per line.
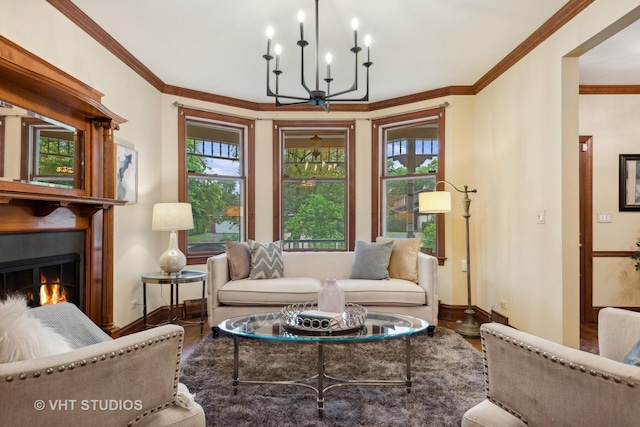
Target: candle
<point>301,20</point>
<point>367,42</point>
<point>278,50</point>
<point>328,58</point>
<point>354,25</point>
<point>269,36</point>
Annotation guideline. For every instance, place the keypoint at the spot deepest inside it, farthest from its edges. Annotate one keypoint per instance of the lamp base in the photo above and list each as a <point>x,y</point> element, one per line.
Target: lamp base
<point>173,261</point>
<point>469,328</point>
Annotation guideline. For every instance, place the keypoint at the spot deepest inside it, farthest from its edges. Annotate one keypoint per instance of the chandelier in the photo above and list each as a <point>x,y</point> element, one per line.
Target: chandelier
<point>316,96</point>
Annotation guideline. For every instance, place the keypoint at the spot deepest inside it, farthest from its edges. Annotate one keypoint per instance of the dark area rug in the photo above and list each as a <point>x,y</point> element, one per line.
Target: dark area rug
<point>447,374</point>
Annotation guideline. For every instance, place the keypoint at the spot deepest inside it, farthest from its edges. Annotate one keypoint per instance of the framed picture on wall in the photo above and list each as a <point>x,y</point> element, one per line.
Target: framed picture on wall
<point>126,173</point>
<point>629,197</point>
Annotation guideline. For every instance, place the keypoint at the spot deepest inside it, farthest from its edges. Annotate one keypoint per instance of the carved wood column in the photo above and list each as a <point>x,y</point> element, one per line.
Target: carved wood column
<point>107,228</point>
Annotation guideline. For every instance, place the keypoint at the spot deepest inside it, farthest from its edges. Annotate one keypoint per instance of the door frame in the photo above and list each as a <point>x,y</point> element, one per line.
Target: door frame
<point>585,148</point>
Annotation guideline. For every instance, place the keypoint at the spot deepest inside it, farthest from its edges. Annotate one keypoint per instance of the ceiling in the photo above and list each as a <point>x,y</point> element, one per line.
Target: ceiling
<point>216,46</point>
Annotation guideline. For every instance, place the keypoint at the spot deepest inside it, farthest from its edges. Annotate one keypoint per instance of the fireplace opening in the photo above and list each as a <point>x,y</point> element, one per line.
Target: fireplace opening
<point>44,280</point>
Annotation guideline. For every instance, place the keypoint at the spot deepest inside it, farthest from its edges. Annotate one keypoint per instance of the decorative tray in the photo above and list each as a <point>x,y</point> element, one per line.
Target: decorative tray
<point>304,318</point>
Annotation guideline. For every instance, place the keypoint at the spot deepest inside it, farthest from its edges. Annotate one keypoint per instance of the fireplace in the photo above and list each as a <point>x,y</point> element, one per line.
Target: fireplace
<point>44,267</point>
<point>44,280</point>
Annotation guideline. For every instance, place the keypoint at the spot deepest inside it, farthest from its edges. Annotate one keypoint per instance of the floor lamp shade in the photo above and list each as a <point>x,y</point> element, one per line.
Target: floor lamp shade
<point>172,217</point>
<point>434,202</point>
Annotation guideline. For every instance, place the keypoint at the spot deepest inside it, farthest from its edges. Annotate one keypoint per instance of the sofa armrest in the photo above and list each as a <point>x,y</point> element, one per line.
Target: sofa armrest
<point>428,280</point>
<point>547,384</point>
<point>217,275</point>
<point>110,383</point>
<point>618,331</point>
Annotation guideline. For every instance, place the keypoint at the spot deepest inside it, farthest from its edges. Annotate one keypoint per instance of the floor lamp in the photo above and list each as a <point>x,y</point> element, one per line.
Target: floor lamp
<point>439,202</point>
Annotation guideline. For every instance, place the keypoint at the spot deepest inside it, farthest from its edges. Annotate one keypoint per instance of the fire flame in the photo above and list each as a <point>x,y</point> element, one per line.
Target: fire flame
<point>51,293</point>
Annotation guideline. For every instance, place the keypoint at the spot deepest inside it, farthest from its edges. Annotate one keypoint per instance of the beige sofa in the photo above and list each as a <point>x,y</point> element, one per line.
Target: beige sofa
<point>535,382</point>
<point>304,274</point>
<point>132,380</point>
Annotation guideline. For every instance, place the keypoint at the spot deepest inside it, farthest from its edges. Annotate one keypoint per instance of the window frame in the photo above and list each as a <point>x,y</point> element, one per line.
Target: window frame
<point>247,168</point>
<point>279,127</point>
<point>378,147</point>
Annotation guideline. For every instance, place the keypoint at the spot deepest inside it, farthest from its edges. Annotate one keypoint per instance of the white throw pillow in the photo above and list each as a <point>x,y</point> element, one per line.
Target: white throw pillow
<point>23,336</point>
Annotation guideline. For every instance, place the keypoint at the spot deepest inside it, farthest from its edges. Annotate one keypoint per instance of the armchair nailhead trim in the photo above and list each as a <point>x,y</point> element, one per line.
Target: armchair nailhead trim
<point>9,379</point>
<point>23,376</point>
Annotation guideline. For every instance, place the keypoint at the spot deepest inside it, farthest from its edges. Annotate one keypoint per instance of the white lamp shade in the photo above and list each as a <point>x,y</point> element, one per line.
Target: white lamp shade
<point>172,216</point>
<point>434,202</point>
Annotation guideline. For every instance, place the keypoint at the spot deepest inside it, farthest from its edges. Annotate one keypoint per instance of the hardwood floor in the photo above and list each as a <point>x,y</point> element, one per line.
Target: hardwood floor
<point>588,337</point>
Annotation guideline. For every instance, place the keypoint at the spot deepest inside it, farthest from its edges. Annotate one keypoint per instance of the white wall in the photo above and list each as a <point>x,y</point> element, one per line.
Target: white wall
<point>527,130</point>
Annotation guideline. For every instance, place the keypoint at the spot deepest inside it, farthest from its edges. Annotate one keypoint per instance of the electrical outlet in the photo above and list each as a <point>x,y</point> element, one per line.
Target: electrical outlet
<point>134,304</point>
<point>503,304</point>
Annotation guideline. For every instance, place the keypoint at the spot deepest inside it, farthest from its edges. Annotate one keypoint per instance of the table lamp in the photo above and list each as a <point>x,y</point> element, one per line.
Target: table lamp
<point>172,217</point>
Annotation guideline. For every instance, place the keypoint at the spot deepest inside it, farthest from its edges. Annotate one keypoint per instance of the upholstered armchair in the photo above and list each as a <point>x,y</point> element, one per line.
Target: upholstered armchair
<point>132,380</point>
<point>535,382</point>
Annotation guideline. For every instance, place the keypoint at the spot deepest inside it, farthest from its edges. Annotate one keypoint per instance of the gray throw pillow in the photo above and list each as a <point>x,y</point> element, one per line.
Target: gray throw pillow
<point>239,260</point>
<point>633,357</point>
<point>371,260</point>
<point>266,260</point>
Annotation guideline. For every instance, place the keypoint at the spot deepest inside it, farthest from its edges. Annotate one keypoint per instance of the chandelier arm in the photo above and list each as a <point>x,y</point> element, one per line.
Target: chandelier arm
<point>302,80</point>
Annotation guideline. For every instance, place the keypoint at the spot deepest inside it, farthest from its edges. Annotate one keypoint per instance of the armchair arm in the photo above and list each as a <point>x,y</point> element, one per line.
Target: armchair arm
<point>618,331</point>
<point>116,382</point>
<point>547,384</point>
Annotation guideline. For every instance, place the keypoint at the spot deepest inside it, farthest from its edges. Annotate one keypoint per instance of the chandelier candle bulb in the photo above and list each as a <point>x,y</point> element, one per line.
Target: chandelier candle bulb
<point>301,20</point>
<point>278,50</point>
<point>269,37</point>
<point>328,59</point>
<point>354,25</point>
<point>367,42</point>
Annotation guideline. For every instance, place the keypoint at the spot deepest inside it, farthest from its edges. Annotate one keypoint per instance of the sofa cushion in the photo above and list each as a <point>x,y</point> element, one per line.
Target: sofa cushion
<point>382,292</point>
<point>266,260</point>
<point>403,263</point>
<point>281,291</point>
<point>371,260</point>
<point>239,259</point>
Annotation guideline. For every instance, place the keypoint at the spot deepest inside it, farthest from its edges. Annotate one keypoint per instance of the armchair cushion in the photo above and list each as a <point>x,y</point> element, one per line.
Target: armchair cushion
<point>633,357</point>
<point>23,336</point>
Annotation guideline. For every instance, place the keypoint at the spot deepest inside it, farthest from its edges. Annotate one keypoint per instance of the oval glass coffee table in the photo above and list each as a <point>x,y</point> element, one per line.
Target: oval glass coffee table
<point>378,326</point>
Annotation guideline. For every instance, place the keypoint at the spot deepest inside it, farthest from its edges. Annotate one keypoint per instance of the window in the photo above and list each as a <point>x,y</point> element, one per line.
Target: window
<point>215,151</point>
<point>408,155</point>
<point>314,200</point>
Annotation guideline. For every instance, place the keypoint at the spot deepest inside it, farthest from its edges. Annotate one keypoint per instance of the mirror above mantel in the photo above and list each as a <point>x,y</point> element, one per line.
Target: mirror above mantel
<point>38,150</point>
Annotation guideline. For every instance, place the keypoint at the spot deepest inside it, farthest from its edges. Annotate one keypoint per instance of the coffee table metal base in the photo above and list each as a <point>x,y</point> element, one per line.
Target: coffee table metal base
<point>322,375</point>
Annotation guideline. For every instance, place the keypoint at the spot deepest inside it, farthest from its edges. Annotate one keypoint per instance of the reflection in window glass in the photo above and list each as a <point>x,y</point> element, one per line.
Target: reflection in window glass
<point>314,191</point>
<point>54,157</point>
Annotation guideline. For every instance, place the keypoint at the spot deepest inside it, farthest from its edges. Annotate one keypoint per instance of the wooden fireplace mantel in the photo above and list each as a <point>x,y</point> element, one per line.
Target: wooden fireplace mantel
<point>30,82</point>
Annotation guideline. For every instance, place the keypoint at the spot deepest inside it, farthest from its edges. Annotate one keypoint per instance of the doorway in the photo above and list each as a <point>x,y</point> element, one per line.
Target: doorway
<point>586,228</point>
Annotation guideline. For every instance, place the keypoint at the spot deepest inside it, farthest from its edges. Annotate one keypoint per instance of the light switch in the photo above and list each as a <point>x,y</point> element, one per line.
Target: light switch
<point>542,216</point>
<point>604,217</point>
